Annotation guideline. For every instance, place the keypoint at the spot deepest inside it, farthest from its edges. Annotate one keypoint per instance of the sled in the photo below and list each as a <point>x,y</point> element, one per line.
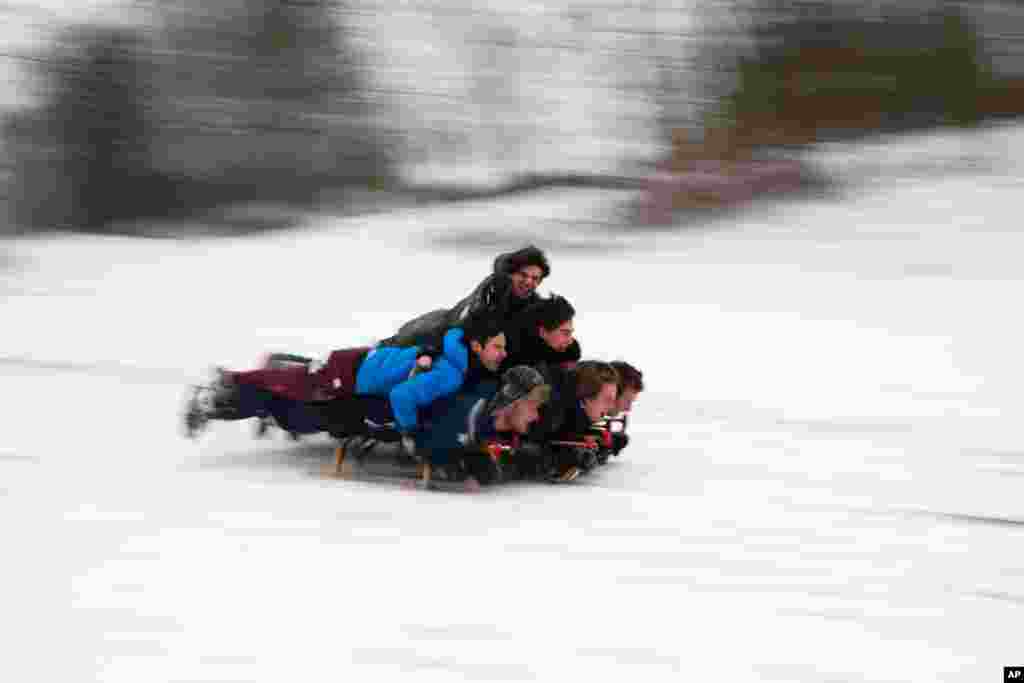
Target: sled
<point>353,463</point>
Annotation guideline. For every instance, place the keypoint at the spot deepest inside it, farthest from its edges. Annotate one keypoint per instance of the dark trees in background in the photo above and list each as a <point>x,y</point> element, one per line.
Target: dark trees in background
<point>266,99</point>
<point>817,70</point>
<point>82,159</point>
<point>250,100</point>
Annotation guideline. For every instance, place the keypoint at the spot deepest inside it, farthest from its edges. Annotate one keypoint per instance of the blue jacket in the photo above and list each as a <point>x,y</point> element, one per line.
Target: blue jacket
<point>385,372</point>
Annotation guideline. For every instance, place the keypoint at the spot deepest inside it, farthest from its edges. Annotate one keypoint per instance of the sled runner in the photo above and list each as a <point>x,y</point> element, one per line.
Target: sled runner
<point>365,458</point>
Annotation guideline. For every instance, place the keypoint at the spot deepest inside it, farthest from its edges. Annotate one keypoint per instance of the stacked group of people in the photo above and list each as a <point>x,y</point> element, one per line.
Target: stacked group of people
<point>491,389</point>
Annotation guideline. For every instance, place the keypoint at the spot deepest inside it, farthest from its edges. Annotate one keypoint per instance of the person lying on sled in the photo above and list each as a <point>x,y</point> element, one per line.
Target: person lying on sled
<point>465,434</point>
<point>563,442</point>
<point>543,333</point>
<point>631,383</point>
<point>507,291</point>
<point>303,402</point>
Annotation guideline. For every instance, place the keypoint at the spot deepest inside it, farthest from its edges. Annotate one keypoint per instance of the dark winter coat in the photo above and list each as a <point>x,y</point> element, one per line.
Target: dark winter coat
<point>562,417</point>
<point>493,294</point>
<point>456,423</point>
<point>525,347</point>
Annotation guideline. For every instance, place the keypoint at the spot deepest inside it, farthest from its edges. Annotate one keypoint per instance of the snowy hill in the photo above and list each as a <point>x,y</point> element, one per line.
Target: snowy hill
<point>823,482</point>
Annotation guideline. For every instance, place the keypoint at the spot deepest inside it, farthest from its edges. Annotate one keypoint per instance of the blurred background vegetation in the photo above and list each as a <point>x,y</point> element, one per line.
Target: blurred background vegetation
<point>191,106</point>
<point>815,75</point>
<point>250,100</point>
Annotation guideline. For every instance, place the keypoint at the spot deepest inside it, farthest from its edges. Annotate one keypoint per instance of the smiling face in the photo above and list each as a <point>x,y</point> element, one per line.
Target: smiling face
<point>525,280</point>
<point>559,338</point>
<point>492,353</point>
<point>602,404</point>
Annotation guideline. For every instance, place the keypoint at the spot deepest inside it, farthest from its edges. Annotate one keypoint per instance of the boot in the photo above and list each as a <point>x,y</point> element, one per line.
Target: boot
<point>215,401</point>
<point>195,416</point>
<point>223,395</point>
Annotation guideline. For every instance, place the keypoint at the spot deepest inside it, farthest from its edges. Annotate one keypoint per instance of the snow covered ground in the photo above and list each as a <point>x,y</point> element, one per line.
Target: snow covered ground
<point>823,483</point>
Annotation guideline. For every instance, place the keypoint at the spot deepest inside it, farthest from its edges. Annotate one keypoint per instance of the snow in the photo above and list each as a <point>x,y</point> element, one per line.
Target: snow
<point>823,482</point>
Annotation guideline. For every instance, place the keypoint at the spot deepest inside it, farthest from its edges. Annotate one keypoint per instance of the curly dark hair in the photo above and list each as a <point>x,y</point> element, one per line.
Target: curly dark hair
<point>481,326</point>
<point>549,313</point>
<point>528,256</point>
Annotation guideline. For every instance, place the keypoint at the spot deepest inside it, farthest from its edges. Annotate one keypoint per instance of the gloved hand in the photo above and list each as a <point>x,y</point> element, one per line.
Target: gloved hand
<point>424,360</point>
<point>533,459</point>
<point>408,446</point>
<point>586,458</point>
<point>495,472</point>
<point>480,466</point>
<point>619,441</point>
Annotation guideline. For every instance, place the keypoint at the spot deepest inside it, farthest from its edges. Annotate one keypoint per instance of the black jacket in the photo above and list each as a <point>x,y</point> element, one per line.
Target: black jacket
<point>493,294</point>
<point>561,419</point>
<point>562,416</point>
<point>525,347</point>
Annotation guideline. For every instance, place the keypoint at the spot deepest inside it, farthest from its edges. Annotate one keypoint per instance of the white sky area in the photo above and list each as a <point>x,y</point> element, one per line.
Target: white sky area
<point>823,482</point>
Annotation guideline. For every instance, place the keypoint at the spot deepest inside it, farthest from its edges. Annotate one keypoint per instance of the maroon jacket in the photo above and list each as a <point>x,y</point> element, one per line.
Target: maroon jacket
<point>334,379</point>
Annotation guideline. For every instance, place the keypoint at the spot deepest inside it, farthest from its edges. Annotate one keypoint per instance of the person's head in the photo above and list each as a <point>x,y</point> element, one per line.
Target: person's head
<point>527,268</point>
<point>597,386</point>
<point>517,403</point>
<point>484,335</point>
<point>552,320</point>
<point>631,383</point>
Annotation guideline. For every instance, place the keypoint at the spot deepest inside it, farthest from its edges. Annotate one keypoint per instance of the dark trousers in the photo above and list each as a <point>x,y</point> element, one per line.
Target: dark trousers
<point>294,416</point>
<point>341,416</point>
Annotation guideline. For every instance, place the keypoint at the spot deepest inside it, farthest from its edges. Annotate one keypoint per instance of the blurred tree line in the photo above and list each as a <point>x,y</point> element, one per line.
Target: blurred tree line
<point>242,100</point>
<point>817,70</point>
